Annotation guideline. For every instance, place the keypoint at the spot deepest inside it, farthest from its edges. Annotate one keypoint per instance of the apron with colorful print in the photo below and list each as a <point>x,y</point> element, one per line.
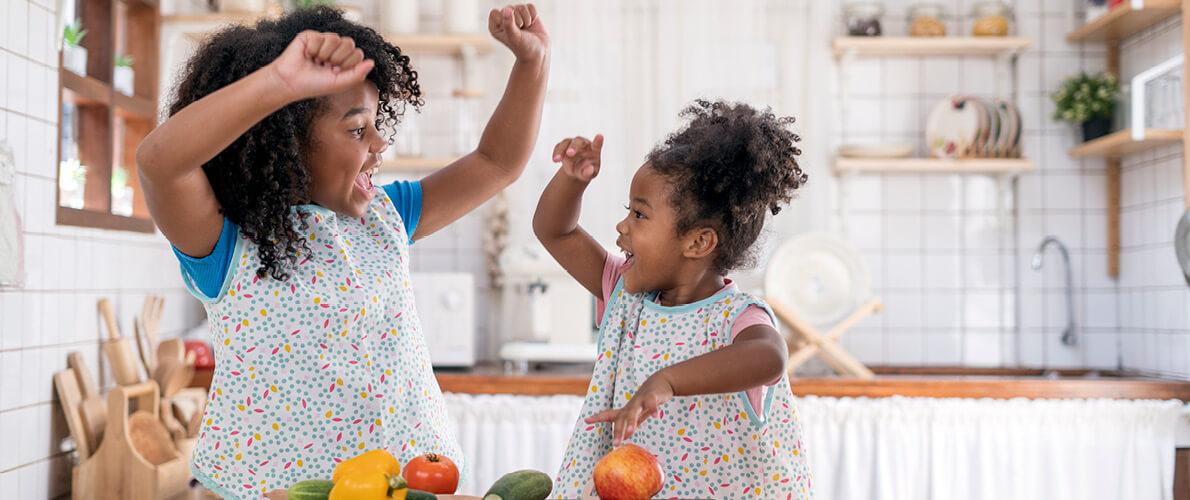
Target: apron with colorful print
<point>709,446</point>
<point>323,366</point>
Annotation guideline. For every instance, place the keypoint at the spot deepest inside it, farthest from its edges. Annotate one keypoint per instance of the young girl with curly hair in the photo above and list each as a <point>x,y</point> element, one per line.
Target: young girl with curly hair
<point>261,181</point>
<point>689,367</point>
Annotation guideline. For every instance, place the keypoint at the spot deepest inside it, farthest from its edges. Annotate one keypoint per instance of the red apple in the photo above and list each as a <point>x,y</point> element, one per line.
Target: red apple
<point>627,473</point>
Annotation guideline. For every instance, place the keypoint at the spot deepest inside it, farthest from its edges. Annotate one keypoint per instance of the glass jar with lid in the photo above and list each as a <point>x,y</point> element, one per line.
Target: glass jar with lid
<point>863,18</point>
<point>992,18</point>
<point>927,19</point>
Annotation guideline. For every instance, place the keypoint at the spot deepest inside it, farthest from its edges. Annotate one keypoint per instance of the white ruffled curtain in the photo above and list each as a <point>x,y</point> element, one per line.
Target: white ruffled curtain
<point>894,448</point>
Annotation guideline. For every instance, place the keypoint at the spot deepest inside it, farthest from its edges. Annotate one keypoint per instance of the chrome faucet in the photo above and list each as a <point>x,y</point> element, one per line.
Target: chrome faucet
<point>1068,334</point>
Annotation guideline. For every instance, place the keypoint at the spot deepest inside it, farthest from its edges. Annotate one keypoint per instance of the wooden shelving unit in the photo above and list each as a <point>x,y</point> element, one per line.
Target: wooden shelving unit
<point>420,164</point>
<point>213,17</point>
<point>1111,28</point>
<point>986,166</point>
<point>1124,21</point>
<point>928,46</point>
<point>1121,143</point>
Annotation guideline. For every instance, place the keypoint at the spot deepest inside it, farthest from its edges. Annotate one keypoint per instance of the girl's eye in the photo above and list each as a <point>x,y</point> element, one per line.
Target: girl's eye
<point>635,213</point>
<point>358,133</point>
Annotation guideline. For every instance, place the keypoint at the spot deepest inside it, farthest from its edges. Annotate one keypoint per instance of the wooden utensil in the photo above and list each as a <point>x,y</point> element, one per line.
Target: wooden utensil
<point>147,328</point>
<point>93,408</point>
<point>170,358</point>
<point>137,460</point>
<point>119,353</point>
<point>68,394</point>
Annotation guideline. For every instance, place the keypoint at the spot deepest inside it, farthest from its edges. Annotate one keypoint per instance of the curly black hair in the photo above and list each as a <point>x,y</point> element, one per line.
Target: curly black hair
<point>260,176</point>
<point>729,166</point>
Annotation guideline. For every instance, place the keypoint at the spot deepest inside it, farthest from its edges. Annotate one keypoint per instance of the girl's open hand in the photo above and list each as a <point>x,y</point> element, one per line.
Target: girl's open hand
<point>644,404</point>
<point>316,64</point>
<point>580,157</point>
<point>519,28</point>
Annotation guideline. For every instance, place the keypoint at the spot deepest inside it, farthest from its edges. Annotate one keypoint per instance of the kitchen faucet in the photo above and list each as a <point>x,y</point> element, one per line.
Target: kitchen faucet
<point>1068,334</point>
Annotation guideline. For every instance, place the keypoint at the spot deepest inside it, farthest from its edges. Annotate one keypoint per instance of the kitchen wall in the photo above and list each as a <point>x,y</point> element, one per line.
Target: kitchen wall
<point>1153,300</point>
<point>946,252</point>
<point>66,269</point>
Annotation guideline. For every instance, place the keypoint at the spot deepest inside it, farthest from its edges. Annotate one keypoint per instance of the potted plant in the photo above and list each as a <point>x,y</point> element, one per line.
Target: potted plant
<point>1088,100</point>
<point>123,77</point>
<point>74,55</point>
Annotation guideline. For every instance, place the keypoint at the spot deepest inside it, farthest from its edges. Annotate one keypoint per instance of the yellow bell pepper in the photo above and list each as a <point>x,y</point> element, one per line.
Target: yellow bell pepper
<point>374,475</point>
<point>379,460</point>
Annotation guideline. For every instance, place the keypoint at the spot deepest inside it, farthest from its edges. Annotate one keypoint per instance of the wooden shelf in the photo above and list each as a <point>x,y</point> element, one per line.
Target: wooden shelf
<point>467,93</point>
<point>1120,143</point>
<point>928,46</point>
<point>1124,21</point>
<point>90,90</point>
<point>136,107</point>
<point>934,165</point>
<point>214,17</point>
<point>416,164</point>
<point>441,44</point>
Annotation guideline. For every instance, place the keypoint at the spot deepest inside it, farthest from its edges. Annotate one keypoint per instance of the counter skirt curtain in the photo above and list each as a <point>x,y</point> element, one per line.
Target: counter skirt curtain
<point>894,448</point>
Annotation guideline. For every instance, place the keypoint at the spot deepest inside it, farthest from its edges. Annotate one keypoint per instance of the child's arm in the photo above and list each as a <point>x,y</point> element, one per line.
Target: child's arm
<point>556,221</point>
<point>170,158</point>
<point>510,134</point>
<point>756,357</point>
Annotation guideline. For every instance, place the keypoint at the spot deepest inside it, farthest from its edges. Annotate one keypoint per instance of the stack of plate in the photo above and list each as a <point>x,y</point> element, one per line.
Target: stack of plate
<point>970,127</point>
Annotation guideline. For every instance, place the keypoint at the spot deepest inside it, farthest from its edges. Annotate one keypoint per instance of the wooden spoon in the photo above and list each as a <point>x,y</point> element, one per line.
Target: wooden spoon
<point>93,407</point>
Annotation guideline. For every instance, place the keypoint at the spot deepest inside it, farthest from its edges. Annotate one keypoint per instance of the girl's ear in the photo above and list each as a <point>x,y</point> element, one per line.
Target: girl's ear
<point>700,242</point>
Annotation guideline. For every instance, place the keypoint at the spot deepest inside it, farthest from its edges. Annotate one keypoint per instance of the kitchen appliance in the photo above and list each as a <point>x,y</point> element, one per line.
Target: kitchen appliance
<point>446,307</point>
<point>547,316</point>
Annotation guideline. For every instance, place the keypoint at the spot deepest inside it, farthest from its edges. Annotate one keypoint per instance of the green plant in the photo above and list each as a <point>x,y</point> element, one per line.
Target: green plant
<point>73,33</point>
<point>306,4</point>
<point>1085,97</point>
<point>124,61</point>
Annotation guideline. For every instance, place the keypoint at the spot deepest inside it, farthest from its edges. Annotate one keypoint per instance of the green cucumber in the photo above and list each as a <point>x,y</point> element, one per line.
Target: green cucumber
<point>311,489</point>
<point>521,485</point>
<point>412,494</point>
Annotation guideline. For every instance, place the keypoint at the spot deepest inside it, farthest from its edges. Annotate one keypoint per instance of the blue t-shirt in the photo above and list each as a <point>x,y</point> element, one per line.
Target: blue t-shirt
<point>208,272</point>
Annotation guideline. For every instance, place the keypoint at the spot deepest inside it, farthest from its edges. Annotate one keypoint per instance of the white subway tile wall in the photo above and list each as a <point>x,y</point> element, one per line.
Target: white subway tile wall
<point>66,269</point>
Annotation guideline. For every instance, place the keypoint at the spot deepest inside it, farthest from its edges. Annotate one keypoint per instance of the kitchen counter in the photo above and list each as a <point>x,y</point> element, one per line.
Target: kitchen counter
<point>890,381</point>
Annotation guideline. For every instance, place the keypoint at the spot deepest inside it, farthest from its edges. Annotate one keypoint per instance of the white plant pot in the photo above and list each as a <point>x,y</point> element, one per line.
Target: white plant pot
<point>352,13</point>
<point>399,16</point>
<point>122,80</point>
<point>74,59</point>
<point>251,6</point>
<point>461,16</point>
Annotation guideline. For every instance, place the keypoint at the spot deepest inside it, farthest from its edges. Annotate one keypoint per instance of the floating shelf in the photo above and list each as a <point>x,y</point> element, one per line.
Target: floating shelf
<point>1121,143</point>
<point>135,107</point>
<point>928,46</point>
<point>441,44</point>
<point>415,164</point>
<point>1124,21</point>
<point>934,165</point>
<point>214,17</point>
<point>87,90</point>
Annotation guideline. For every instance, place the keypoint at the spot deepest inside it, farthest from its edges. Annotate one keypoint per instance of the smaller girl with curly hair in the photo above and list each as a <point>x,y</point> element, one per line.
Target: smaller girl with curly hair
<point>261,179</point>
<point>689,367</point>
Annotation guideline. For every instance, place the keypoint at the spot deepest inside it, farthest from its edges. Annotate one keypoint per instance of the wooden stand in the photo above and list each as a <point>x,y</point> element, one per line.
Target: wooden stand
<point>806,340</point>
<point>118,471</point>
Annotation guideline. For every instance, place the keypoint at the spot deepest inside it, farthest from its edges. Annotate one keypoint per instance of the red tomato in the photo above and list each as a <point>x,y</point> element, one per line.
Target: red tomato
<point>432,473</point>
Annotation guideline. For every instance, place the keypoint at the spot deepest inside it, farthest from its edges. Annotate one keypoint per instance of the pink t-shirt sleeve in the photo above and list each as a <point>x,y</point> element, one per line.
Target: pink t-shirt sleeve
<point>752,316</point>
<point>613,268</point>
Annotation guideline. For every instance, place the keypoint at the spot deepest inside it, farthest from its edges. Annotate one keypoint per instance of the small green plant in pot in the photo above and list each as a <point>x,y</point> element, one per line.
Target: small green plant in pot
<point>74,55</point>
<point>1087,100</point>
<point>124,77</point>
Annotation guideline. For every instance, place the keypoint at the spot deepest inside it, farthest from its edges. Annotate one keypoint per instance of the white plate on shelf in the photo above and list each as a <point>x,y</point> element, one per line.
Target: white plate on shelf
<point>952,128</point>
<point>902,150</point>
<point>819,276</point>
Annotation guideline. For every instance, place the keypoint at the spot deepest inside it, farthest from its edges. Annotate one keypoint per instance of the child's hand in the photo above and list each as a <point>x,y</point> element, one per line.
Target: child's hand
<point>644,404</point>
<point>580,157</point>
<point>519,28</point>
<point>316,64</point>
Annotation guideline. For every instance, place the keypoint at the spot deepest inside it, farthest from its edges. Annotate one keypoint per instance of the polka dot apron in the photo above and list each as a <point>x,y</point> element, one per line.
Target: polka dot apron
<point>321,367</point>
<point>709,446</point>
